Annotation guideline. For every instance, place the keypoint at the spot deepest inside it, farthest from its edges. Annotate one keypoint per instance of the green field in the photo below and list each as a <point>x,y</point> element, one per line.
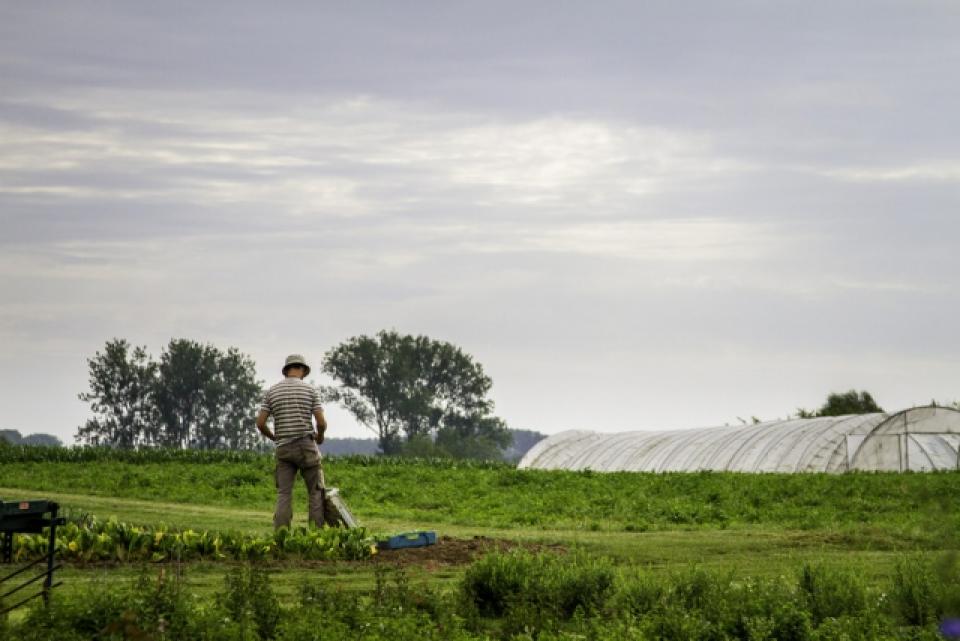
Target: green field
<point>734,529</point>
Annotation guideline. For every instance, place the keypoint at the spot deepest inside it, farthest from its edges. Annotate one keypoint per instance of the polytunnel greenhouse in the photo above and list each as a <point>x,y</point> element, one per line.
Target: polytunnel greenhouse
<point>920,439</point>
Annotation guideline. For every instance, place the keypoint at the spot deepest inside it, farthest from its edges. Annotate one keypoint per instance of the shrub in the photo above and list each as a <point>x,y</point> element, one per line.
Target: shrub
<point>854,629</point>
<point>250,601</point>
<point>637,594</point>
<point>926,590</point>
<point>831,593</point>
<point>156,607</point>
<point>791,623</point>
<point>548,584</point>
<point>914,596</point>
<point>675,623</point>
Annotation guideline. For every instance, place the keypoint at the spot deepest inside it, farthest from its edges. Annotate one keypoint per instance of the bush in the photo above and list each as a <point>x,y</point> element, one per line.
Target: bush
<point>914,596</point>
<point>637,594</point>
<point>520,582</point>
<point>831,593</point>
<point>155,607</point>
<point>926,590</point>
<point>250,601</point>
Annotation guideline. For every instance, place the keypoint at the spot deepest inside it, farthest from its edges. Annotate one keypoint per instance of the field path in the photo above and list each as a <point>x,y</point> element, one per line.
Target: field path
<point>139,511</point>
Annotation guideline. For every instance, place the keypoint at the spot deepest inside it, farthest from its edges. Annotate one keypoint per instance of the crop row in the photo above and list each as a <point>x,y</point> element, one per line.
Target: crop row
<point>95,540</point>
<point>896,511</point>
<point>87,454</point>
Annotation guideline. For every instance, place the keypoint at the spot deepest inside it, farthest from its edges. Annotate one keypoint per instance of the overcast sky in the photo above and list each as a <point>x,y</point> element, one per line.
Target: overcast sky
<point>635,215</point>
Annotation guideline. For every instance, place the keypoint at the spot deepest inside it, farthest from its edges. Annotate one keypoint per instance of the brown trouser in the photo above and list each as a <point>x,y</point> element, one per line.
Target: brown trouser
<point>302,455</point>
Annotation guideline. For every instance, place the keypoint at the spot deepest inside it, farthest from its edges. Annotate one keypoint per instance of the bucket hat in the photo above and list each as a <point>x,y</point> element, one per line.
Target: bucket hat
<point>296,359</point>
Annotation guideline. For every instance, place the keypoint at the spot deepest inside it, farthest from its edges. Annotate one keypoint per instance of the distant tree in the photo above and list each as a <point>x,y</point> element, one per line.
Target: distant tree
<point>851,402</point>
<point>420,446</point>
<point>44,440</point>
<point>349,446</point>
<point>196,396</point>
<point>205,398</point>
<point>11,437</point>
<point>186,368</point>
<point>238,394</point>
<point>474,437</point>
<point>121,396</point>
<point>398,384</point>
<point>523,440</point>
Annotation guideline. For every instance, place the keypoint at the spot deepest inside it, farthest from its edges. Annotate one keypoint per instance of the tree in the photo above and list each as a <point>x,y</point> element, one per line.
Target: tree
<point>121,396</point>
<point>206,398</point>
<point>42,440</point>
<point>851,402</point>
<point>398,384</point>
<point>474,437</point>
<point>39,439</point>
<point>185,369</point>
<point>238,395</point>
<point>196,396</point>
<point>523,440</point>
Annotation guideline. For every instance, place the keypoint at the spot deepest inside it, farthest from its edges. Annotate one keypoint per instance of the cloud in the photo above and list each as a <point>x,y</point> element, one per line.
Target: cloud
<point>603,203</point>
<point>944,172</point>
<point>346,159</point>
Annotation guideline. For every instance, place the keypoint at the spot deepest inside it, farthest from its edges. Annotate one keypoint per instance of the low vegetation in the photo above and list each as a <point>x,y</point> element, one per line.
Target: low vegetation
<point>89,540</point>
<point>516,596</point>
<point>642,556</point>
<point>898,511</point>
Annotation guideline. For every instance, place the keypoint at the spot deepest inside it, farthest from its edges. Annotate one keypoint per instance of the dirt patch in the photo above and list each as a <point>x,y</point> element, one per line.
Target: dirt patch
<point>451,551</point>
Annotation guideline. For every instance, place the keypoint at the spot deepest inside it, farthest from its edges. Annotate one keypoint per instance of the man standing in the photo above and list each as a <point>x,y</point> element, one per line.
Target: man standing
<point>294,404</point>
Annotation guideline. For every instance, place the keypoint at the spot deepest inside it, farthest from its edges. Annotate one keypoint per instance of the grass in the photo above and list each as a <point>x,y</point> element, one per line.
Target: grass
<point>904,509</point>
<point>756,550</point>
<point>744,527</point>
<point>759,525</point>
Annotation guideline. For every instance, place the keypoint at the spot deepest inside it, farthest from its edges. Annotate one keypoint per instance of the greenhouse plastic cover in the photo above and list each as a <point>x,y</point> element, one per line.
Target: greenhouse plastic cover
<point>919,439</point>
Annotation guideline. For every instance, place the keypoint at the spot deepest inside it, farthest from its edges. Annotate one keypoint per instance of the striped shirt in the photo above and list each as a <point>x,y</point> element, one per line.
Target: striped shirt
<point>291,403</point>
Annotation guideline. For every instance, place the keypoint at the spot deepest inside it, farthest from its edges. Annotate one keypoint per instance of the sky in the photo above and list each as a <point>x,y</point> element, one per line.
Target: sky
<point>654,215</point>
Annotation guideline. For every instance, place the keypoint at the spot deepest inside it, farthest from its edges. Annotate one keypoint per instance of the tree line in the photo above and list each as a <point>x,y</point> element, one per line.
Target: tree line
<point>195,395</point>
<point>418,395</point>
<point>14,437</point>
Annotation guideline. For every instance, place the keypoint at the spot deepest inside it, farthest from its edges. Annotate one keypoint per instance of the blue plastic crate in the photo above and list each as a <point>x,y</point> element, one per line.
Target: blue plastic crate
<point>408,540</point>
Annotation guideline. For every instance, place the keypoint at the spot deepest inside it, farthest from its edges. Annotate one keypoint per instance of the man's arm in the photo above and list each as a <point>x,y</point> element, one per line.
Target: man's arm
<point>262,425</point>
<point>321,424</point>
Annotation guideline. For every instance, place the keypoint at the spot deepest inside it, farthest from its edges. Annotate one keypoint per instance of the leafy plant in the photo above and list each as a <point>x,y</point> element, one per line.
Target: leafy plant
<point>111,540</point>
